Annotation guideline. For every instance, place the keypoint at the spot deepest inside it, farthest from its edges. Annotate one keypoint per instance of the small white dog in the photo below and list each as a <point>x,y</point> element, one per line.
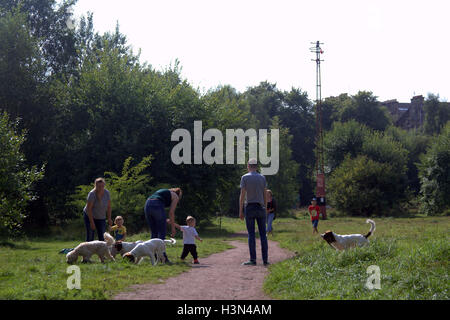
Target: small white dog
<point>149,248</point>
<point>122,247</point>
<point>343,242</point>
<point>87,249</point>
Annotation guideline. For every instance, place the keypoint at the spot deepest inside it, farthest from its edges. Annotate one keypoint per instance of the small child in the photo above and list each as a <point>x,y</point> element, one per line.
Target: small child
<point>119,232</point>
<point>189,236</point>
<point>314,211</point>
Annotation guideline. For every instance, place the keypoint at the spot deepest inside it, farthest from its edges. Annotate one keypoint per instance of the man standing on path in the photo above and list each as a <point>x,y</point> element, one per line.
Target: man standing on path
<point>253,193</point>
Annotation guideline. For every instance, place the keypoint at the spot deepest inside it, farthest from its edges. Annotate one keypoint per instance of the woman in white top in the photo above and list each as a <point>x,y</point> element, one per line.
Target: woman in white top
<point>97,206</point>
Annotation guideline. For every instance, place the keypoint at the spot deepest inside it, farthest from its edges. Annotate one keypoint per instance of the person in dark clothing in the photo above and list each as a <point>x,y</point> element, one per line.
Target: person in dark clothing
<point>252,207</point>
<point>271,211</point>
<point>155,214</point>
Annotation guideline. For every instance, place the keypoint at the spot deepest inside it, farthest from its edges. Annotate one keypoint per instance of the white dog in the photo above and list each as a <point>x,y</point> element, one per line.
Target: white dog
<point>87,249</point>
<point>122,247</point>
<point>343,242</point>
<point>149,248</point>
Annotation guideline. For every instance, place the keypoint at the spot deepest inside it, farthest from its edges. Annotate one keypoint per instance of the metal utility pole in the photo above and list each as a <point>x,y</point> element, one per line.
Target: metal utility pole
<point>320,174</point>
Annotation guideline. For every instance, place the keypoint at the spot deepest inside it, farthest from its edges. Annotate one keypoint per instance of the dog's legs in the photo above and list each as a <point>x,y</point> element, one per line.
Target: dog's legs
<point>87,258</point>
<point>101,257</point>
<point>161,256</point>
<point>111,257</point>
<point>108,255</point>
<point>152,258</point>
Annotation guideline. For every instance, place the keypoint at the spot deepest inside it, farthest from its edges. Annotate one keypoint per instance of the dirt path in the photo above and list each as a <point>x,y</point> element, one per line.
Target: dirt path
<point>218,277</point>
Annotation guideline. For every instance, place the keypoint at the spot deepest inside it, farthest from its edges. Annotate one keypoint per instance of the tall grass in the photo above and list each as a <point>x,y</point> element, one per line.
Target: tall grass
<point>412,255</point>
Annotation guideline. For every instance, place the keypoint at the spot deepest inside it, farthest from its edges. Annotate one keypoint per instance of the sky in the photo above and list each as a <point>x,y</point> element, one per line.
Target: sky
<point>394,48</point>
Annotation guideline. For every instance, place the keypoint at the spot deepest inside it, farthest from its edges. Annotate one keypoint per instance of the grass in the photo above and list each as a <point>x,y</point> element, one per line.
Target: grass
<point>412,254</point>
<point>33,268</point>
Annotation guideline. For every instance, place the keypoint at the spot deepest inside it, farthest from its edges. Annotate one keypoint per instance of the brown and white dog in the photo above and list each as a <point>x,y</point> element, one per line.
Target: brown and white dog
<point>123,247</point>
<point>347,241</point>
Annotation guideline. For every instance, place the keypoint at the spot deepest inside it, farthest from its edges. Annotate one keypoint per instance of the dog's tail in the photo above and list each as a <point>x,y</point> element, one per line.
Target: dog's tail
<point>109,239</point>
<point>372,227</point>
<point>171,241</point>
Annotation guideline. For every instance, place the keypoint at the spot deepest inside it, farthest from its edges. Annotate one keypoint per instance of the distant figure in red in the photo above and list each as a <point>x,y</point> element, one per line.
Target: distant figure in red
<point>314,211</point>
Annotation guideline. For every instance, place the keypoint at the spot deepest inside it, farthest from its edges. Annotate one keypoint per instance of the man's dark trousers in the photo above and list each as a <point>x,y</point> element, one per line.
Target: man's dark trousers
<point>255,212</point>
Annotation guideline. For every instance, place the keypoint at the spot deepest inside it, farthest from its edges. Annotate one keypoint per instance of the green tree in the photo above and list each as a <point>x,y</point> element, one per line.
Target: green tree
<point>24,94</point>
<point>437,114</point>
<point>434,173</point>
<point>264,101</point>
<point>350,145</point>
<point>330,108</point>
<point>296,114</point>
<point>46,21</point>
<point>343,140</point>
<point>363,187</point>
<point>362,107</point>
<point>226,109</point>
<point>284,184</point>
<point>21,68</point>
<point>16,178</point>
<point>416,143</point>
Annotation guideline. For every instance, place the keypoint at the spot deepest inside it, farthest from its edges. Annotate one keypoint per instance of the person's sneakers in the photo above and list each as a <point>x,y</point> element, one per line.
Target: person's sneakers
<point>249,263</point>
<point>66,250</point>
<point>168,262</point>
<point>266,263</point>
<point>196,261</point>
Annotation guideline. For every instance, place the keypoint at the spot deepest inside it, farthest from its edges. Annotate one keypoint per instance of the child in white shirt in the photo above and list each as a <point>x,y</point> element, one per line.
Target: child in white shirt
<point>189,236</point>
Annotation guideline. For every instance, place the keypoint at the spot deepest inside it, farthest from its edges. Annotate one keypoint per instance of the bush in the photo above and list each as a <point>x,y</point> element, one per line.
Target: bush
<point>368,170</point>
<point>16,179</point>
<point>362,186</point>
<point>434,173</point>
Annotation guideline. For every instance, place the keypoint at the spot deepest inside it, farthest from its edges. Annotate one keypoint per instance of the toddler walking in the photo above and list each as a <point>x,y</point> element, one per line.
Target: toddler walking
<point>189,236</point>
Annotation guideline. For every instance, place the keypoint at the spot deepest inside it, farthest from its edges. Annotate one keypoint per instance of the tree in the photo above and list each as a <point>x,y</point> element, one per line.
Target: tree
<point>434,173</point>
<point>363,187</point>
<point>382,181</point>
<point>296,114</point>
<point>226,109</point>
<point>284,184</point>
<point>16,178</point>
<point>437,114</point>
<point>21,68</point>
<point>330,109</point>
<point>344,139</point>
<point>46,21</point>
<point>264,100</point>
<point>416,143</point>
<point>362,107</point>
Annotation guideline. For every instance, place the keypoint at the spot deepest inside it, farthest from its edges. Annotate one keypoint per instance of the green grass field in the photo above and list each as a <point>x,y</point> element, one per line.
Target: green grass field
<point>34,269</point>
<point>412,254</point>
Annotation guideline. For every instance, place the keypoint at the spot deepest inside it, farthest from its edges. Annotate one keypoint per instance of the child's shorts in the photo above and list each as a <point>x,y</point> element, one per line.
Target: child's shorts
<point>315,223</point>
